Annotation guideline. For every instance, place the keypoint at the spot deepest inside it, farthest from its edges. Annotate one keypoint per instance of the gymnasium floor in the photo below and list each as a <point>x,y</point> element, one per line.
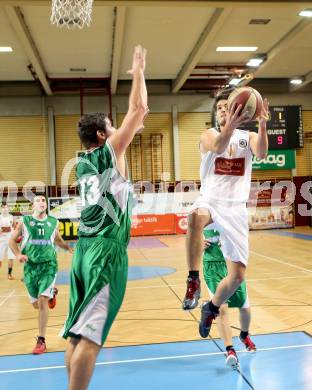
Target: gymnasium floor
<point>199,364</point>
<point>158,344</point>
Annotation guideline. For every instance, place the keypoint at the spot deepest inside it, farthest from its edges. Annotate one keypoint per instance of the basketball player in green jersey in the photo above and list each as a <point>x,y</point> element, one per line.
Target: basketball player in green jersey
<point>100,263</point>
<point>40,234</point>
<point>215,270</point>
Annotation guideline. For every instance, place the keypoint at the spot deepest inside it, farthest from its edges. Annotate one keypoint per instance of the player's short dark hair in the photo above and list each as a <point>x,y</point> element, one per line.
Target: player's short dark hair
<point>222,95</point>
<point>88,126</point>
<point>36,196</point>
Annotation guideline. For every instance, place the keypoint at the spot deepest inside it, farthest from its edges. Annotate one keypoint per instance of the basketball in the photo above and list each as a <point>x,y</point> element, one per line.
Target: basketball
<point>249,98</point>
<point>19,239</point>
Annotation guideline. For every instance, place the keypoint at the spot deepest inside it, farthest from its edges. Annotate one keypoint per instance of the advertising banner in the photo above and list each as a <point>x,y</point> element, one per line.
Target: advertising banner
<point>270,217</point>
<point>69,228</point>
<point>276,159</point>
<point>64,208</point>
<point>67,211</point>
<point>166,213</point>
<point>152,224</point>
<point>181,223</point>
<point>20,207</point>
<point>164,202</point>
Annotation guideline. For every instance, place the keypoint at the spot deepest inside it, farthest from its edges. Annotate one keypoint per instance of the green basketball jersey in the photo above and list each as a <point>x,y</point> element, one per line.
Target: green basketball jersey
<point>106,197</point>
<point>38,238</point>
<point>213,253</point>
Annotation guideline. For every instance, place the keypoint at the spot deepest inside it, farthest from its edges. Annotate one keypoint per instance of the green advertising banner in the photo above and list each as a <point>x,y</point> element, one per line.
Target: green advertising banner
<point>276,159</point>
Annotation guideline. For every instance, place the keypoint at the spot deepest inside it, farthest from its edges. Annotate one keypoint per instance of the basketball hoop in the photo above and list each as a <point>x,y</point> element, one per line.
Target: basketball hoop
<point>71,13</point>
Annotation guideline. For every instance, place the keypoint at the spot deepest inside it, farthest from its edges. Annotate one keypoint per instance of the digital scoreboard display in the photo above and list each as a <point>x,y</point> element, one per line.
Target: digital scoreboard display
<point>284,127</point>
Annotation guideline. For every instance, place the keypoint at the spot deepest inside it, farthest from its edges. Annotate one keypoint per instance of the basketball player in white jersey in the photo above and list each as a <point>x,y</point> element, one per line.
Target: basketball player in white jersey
<point>7,223</point>
<point>225,174</point>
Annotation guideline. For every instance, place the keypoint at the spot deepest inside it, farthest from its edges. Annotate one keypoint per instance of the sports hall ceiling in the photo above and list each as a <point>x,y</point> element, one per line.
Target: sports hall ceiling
<point>181,38</point>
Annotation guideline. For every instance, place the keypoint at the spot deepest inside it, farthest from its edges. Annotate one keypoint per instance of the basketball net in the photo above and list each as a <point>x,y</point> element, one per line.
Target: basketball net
<point>71,13</point>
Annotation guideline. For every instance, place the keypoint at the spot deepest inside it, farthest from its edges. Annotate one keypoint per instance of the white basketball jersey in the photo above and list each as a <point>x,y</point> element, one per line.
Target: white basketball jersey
<point>6,222</point>
<point>227,176</point>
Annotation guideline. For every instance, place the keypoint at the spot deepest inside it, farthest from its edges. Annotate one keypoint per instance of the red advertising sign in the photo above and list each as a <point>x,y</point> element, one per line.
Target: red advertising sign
<point>152,224</point>
<point>181,223</point>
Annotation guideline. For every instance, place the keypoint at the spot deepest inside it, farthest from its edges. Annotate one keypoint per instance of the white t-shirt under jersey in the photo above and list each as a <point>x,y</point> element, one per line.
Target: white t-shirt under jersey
<point>227,176</point>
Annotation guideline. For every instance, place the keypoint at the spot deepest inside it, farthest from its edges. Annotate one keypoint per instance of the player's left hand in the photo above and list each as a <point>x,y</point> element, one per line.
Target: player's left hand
<point>264,115</point>
<point>138,61</point>
<point>22,258</point>
<point>70,249</point>
<point>207,243</point>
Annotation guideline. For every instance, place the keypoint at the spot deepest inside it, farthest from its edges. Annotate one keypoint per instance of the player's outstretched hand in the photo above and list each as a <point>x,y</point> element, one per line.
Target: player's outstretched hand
<point>22,258</point>
<point>139,60</point>
<point>264,115</point>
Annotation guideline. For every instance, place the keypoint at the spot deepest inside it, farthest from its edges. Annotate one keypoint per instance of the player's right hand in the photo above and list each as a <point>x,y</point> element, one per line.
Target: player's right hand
<point>235,118</point>
<point>22,258</point>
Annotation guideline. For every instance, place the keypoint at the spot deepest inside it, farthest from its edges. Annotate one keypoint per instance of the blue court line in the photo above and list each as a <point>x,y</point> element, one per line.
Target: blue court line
<point>301,236</point>
<point>281,363</point>
<point>134,273</point>
<point>149,242</point>
<point>148,272</point>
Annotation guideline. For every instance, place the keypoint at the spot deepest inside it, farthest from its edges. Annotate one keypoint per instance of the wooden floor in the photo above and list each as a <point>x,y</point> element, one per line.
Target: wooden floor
<point>279,281</point>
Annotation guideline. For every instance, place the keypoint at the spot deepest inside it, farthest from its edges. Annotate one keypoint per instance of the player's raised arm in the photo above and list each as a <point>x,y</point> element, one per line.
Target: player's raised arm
<point>138,109</point>
<point>259,142</point>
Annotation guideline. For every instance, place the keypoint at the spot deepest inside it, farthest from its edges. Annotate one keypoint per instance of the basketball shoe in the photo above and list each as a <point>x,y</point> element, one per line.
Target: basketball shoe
<point>231,358</point>
<point>192,295</point>
<point>40,346</point>
<point>250,346</point>
<point>207,316</point>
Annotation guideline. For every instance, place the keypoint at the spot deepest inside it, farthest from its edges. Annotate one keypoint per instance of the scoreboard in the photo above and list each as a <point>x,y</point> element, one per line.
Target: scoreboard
<point>284,127</point>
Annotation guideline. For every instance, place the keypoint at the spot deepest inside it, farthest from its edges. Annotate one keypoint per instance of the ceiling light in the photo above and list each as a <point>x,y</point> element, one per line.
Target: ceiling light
<point>254,62</point>
<point>5,49</point>
<point>237,48</point>
<point>257,60</point>
<point>296,81</point>
<point>307,13</point>
<point>235,81</point>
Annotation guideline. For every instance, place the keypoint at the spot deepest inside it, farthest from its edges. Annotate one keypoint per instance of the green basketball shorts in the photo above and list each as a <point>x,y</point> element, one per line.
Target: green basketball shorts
<point>214,272</point>
<point>39,279</point>
<point>97,287</point>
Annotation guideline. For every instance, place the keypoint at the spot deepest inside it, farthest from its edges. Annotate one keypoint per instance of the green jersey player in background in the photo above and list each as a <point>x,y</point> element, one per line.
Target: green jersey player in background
<point>215,269</point>
<point>40,234</point>
<point>100,263</point>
